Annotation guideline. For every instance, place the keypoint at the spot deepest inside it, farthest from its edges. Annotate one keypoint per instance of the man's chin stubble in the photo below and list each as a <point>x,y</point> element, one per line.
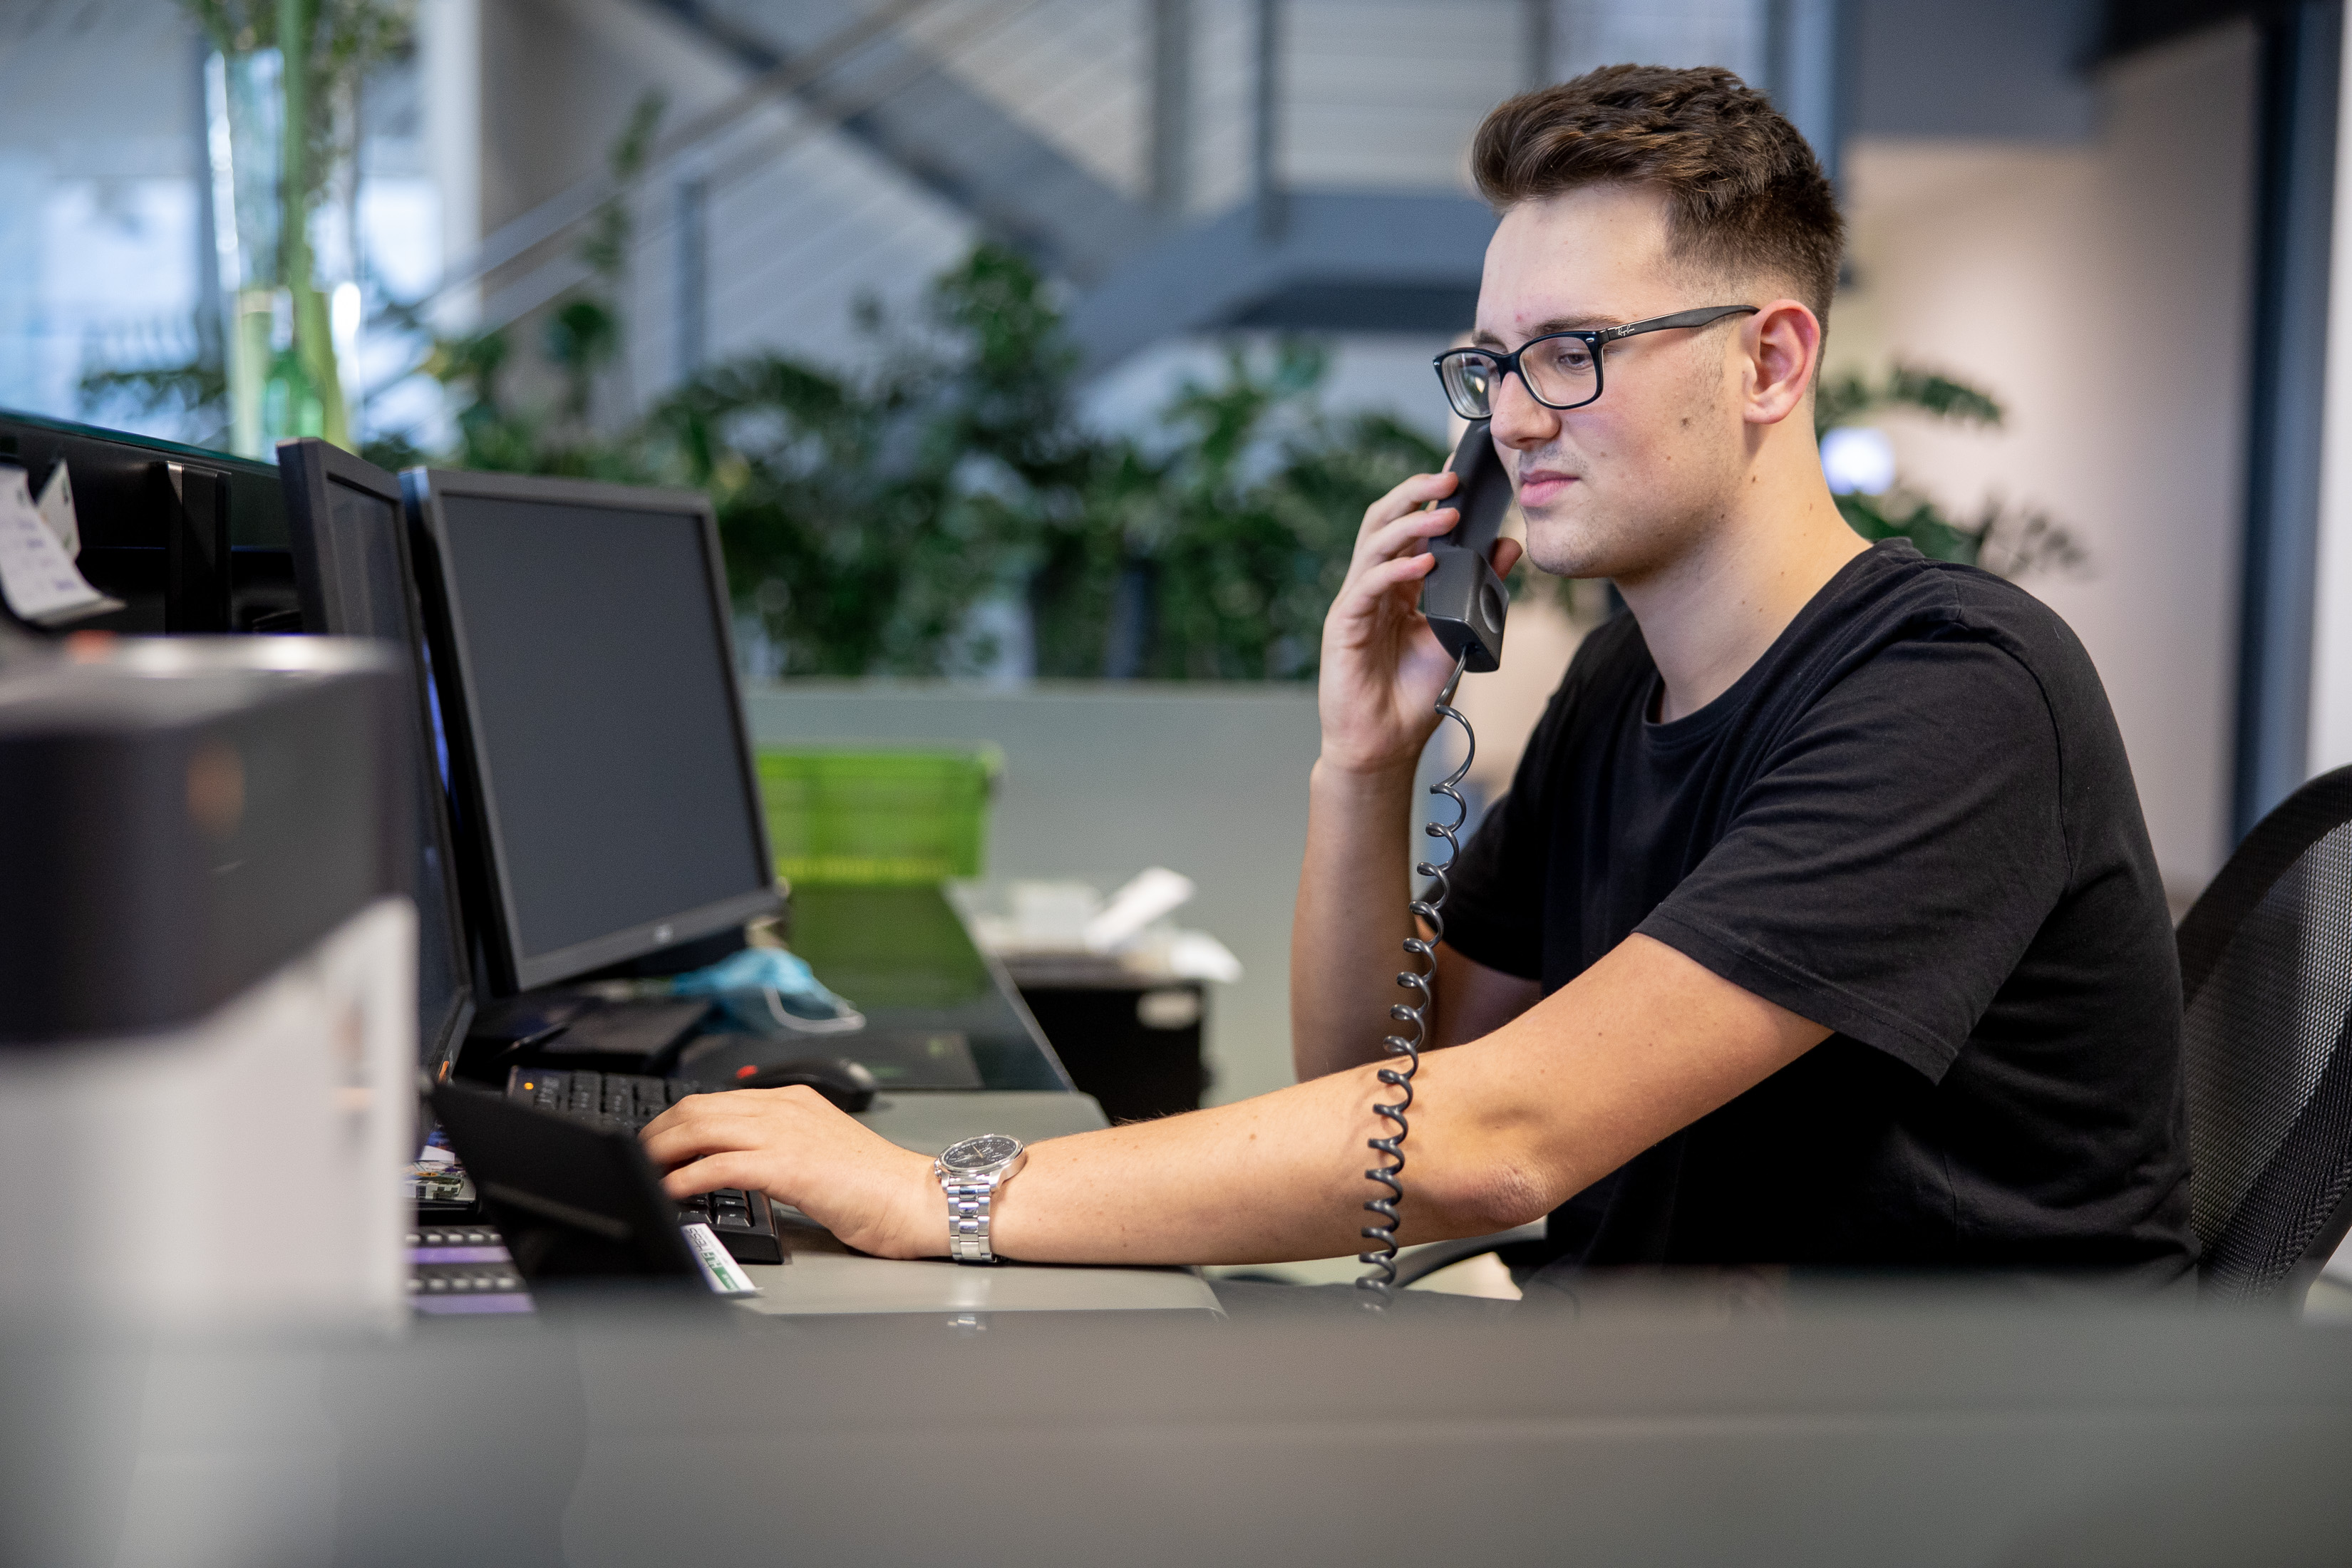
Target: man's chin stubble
<point>1584,557</point>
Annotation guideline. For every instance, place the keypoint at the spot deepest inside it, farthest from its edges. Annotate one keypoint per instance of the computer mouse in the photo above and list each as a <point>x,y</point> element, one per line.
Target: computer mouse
<point>844,1082</point>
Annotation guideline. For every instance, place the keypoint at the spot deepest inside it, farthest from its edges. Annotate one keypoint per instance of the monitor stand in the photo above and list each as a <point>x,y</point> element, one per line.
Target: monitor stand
<point>569,1030</point>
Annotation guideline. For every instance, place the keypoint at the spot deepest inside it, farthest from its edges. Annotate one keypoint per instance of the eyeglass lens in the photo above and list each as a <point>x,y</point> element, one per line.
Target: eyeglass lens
<point>1560,372</point>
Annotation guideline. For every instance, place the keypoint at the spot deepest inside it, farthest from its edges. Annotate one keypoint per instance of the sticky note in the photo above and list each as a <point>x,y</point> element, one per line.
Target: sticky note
<point>57,509</point>
<point>37,578</point>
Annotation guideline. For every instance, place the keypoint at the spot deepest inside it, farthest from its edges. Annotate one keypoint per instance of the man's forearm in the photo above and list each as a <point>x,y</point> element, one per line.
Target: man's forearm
<point>1504,1129</point>
<point>1350,920</point>
<point>1262,1180</point>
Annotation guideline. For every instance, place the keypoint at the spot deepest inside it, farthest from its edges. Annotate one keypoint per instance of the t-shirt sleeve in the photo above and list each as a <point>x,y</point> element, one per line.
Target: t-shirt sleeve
<point>1887,867</point>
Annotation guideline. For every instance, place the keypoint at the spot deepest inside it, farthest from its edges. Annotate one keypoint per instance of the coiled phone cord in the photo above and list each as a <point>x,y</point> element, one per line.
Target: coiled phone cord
<point>1378,1280</point>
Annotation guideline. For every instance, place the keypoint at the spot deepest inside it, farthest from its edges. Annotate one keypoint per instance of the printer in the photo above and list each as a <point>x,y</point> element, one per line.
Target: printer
<point>207,981</point>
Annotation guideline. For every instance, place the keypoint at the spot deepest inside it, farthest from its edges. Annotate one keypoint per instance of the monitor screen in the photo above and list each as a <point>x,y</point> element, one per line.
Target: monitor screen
<point>618,806</point>
<point>352,563</point>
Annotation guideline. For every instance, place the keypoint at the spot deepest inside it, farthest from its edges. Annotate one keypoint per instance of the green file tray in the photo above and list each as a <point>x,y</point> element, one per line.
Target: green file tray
<point>877,819</point>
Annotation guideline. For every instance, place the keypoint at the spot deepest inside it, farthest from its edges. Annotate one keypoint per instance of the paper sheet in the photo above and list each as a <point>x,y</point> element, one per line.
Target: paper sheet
<point>57,509</point>
<point>37,578</point>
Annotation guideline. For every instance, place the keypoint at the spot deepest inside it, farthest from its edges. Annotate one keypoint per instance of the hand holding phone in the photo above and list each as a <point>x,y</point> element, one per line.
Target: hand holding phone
<point>1464,600</point>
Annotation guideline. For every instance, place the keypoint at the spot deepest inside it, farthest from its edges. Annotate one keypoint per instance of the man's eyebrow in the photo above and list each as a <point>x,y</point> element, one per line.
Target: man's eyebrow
<point>1486,339</point>
<point>1575,325</point>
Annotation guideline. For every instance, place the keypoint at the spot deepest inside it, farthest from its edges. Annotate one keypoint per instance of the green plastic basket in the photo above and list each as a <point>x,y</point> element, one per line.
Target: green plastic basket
<point>875,818</point>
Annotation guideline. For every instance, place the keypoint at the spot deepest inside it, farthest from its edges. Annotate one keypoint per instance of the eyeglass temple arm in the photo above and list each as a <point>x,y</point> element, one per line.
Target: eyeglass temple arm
<point>1698,318</point>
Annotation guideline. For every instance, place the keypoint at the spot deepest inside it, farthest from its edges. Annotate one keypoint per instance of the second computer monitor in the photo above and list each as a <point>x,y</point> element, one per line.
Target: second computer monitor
<point>606,779</point>
<point>348,530</point>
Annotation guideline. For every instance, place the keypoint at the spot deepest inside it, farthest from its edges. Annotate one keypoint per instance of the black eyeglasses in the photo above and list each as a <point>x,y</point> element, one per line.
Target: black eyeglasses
<point>1559,370</point>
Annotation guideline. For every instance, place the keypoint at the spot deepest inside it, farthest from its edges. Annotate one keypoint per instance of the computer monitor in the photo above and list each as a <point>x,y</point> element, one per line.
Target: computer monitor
<point>607,801</point>
<point>348,528</point>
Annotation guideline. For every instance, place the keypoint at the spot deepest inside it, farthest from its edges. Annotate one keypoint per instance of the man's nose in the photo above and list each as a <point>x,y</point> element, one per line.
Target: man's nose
<point>1520,420</point>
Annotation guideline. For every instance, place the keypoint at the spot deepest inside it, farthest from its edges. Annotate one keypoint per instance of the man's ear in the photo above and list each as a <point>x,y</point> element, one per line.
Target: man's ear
<point>1783,345</point>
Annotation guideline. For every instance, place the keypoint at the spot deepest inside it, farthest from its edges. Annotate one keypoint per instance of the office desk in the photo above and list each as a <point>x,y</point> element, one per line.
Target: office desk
<point>825,1277</point>
<point>904,957</point>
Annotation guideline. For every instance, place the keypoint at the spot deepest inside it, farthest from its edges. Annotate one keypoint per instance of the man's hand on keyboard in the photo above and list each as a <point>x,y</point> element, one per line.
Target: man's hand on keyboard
<point>793,1144</point>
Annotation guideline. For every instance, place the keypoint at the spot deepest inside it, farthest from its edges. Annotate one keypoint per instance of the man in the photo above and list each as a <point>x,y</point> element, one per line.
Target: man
<point>1820,925</point>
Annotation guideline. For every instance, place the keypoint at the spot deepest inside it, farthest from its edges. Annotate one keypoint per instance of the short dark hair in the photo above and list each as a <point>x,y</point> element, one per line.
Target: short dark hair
<point>1743,191</point>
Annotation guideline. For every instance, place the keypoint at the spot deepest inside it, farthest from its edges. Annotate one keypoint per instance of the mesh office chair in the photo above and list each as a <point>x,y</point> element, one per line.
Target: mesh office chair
<point>2266,975</point>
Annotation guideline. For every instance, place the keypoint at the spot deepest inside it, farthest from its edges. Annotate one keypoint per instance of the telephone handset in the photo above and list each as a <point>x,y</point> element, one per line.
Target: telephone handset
<point>1464,600</point>
<point>1465,603</point>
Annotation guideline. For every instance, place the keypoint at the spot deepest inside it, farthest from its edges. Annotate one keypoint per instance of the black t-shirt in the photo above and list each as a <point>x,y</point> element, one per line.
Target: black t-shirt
<point>1910,821</point>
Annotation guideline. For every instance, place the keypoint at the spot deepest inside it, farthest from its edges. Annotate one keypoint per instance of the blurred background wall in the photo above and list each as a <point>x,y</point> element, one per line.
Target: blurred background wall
<point>2115,219</point>
<point>2098,274</point>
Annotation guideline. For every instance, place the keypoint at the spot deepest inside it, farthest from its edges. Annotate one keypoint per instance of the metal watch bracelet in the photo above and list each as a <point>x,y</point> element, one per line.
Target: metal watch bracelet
<point>968,1206</point>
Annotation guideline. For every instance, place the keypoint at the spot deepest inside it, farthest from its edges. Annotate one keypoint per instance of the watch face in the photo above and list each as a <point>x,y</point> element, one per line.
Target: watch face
<point>980,1154</point>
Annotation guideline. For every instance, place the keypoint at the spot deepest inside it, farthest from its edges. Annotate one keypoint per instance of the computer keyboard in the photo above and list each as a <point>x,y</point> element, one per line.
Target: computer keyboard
<point>627,1100</point>
<point>463,1268</point>
<point>741,1220</point>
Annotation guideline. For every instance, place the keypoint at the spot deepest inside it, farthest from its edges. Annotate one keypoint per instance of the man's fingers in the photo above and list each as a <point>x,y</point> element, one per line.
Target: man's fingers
<point>1403,569</point>
<point>1407,534</point>
<point>692,1106</point>
<point>681,1134</point>
<point>1506,555</point>
<point>1362,596</point>
<point>733,1168</point>
<point>1411,496</point>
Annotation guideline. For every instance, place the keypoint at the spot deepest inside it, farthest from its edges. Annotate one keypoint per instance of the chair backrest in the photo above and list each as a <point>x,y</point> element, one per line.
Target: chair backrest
<point>2266,975</point>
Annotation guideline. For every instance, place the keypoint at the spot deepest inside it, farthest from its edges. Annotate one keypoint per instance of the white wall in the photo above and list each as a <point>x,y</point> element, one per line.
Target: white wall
<point>2102,293</point>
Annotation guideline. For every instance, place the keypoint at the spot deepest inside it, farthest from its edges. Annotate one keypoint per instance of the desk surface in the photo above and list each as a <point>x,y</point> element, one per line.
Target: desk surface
<point>825,1277</point>
<point>903,956</point>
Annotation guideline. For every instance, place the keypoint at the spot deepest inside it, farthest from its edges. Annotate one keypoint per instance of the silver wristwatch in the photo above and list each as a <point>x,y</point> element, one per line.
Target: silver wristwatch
<point>969,1172</point>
